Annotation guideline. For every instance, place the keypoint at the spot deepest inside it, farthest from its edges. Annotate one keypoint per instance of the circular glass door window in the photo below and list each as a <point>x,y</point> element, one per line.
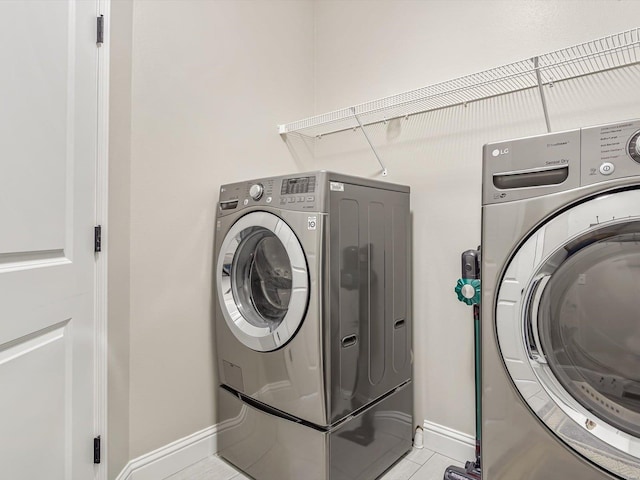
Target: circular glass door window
<point>589,325</point>
<point>262,281</point>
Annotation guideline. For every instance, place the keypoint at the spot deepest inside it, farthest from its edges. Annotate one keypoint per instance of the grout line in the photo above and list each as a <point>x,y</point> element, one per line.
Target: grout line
<point>432,457</point>
<point>418,463</point>
<point>452,459</point>
<point>428,458</point>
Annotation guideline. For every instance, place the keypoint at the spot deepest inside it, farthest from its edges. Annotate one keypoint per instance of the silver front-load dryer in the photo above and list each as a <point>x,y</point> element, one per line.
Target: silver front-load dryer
<point>560,315</point>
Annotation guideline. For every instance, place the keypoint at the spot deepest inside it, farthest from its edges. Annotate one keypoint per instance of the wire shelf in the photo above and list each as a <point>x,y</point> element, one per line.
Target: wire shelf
<point>598,55</point>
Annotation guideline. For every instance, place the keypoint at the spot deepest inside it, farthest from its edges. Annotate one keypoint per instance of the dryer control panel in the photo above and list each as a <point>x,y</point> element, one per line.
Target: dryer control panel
<point>610,151</point>
<point>544,164</point>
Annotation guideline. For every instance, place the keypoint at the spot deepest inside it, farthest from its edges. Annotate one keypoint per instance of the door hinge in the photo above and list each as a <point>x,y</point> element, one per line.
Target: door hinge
<point>100,30</point>
<point>97,238</point>
<point>96,449</point>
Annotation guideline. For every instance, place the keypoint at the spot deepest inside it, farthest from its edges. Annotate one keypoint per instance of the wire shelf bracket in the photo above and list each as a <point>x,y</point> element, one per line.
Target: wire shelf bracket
<point>543,99</point>
<point>606,53</point>
<point>375,152</point>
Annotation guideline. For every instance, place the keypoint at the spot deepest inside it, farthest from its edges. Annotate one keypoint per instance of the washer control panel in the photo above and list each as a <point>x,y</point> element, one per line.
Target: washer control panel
<point>610,151</point>
<point>292,193</point>
<point>298,190</point>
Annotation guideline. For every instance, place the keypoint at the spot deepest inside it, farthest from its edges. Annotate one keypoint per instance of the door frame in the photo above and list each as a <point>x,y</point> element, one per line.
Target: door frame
<point>101,216</point>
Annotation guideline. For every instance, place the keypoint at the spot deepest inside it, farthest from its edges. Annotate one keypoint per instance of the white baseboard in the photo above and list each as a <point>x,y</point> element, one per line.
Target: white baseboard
<point>449,442</point>
<point>173,457</point>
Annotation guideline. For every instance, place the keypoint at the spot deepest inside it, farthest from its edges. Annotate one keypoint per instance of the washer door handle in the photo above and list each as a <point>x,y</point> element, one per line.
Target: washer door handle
<point>530,317</point>
<point>349,340</point>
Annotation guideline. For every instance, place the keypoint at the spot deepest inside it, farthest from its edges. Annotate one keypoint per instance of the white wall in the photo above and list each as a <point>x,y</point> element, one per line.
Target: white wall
<point>369,49</point>
<point>211,80</point>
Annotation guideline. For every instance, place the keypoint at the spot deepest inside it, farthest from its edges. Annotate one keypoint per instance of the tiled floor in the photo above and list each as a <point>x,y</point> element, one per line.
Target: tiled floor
<point>416,465</point>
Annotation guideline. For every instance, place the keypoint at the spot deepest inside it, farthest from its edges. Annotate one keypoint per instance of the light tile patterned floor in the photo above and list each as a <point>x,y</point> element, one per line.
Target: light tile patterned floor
<point>416,465</point>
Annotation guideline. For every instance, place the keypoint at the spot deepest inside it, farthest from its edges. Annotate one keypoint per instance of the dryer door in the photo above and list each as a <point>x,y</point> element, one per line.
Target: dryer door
<point>568,325</point>
<point>262,281</point>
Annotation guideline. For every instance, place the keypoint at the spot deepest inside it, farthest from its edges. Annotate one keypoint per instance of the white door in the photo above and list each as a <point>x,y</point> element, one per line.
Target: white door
<point>48,127</point>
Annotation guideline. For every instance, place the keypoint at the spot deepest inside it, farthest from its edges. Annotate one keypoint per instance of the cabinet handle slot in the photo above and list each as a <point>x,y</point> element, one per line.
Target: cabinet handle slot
<point>349,340</point>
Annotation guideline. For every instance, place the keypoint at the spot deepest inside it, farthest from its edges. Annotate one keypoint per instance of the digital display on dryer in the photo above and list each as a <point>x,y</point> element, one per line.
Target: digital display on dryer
<point>298,185</point>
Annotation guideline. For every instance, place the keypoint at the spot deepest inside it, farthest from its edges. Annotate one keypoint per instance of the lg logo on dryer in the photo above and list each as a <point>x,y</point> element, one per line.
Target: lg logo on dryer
<point>500,151</point>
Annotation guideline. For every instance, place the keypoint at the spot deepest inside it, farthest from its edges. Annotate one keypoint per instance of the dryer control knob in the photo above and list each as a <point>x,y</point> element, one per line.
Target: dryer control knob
<point>256,191</point>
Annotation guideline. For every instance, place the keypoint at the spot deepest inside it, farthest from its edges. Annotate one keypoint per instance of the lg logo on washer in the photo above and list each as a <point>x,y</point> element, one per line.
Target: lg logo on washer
<point>500,151</point>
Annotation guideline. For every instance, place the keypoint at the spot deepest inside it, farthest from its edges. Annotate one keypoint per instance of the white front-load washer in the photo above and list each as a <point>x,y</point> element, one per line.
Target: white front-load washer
<point>560,305</point>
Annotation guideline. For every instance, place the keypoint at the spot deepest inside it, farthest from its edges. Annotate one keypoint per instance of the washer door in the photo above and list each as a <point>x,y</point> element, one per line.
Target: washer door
<point>263,281</point>
<point>568,325</point>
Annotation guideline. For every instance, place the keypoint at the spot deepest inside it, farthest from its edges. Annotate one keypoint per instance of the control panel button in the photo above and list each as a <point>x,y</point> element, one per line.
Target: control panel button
<point>291,199</point>
<point>268,199</point>
<point>283,201</point>
<point>246,201</point>
<point>256,191</point>
<point>311,198</point>
<point>607,168</point>
<point>301,199</point>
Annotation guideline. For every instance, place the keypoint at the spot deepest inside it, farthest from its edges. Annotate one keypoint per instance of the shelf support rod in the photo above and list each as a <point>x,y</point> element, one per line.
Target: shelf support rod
<point>543,99</point>
<point>375,152</point>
